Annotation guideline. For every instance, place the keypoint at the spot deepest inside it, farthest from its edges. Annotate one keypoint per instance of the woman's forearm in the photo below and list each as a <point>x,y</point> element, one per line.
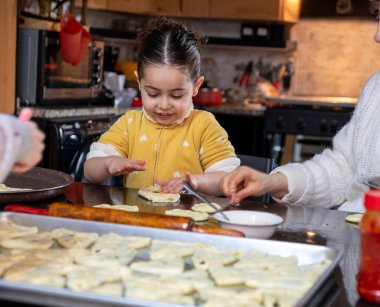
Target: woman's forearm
<point>277,185</point>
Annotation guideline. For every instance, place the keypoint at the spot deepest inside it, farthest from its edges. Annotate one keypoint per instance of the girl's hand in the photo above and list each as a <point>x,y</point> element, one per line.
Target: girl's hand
<point>176,185</point>
<point>244,182</point>
<point>119,166</point>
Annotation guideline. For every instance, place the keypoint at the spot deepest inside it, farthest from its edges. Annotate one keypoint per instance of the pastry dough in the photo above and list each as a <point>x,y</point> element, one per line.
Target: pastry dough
<point>196,216</point>
<point>4,189</point>
<point>9,229</point>
<point>162,249</point>
<point>204,258</point>
<point>172,266</point>
<point>119,207</point>
<point>69,238</point>
<point>354,218</point>
<point>153,194</point>
<point>114,241</point>
<point>203,207</point>
<point>40,240</point>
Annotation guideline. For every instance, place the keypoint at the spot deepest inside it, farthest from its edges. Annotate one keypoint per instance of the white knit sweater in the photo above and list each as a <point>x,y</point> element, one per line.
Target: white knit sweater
<point>336,176</point>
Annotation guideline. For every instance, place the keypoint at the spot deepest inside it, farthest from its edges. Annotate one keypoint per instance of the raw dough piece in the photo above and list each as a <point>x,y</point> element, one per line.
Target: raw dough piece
<point>38,275</point>
<point>153,194</point>
<point>162,249</point>
<point>116,242</point>
<point>119,207</point>
<point>196,216</point>
<point>82,278</point>
<point>4,189</point>
<point>354,218</point>
<point>9,229</point>
<point>203,207</point>
<point>40,240</point>
<point>170,266</point>
<point>204,258</point>
<point>70,238</point>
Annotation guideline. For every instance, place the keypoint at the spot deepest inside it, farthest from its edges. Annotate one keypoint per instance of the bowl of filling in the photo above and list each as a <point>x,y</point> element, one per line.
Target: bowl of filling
<point>254,224</point>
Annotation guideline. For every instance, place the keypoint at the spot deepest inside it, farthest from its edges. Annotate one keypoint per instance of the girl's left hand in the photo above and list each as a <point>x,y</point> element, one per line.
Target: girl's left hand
<point>176,185</point>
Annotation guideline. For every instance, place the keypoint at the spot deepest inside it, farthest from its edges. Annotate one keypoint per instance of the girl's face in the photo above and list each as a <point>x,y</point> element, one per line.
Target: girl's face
<point>167,92</point>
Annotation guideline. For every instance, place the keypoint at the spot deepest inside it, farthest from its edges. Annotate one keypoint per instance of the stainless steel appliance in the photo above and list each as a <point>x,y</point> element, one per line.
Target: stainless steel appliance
<point>319,117</point>
<point>44,78</point>
<point>66,138</point>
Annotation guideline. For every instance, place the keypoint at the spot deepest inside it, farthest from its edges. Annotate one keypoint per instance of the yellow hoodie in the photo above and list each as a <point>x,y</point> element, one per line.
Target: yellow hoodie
<point>197,145</point>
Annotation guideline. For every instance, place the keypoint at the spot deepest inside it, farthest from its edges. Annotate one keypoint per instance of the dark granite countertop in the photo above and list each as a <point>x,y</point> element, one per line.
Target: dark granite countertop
<point>251,110</point>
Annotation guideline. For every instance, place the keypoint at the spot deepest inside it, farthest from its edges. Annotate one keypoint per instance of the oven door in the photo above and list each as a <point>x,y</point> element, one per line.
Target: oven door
<point>62,80</point>
<point>77,164</point>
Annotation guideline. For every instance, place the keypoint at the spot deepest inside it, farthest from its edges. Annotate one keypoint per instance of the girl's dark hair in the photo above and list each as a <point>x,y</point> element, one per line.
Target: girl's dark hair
<point>165,41</point>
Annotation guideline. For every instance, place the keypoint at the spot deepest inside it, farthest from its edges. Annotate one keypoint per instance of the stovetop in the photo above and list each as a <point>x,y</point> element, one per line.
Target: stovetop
<point>321,101</point>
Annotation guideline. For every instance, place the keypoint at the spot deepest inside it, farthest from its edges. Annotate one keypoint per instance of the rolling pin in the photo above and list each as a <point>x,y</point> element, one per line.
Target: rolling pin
<point>83,212</point>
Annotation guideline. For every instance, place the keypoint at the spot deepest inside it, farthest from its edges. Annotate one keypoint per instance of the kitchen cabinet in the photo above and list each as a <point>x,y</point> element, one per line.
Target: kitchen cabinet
<point>196,8</point>
<point>274,10</point>
<point>146,7</point>
<point>93,4</point>
<point>8,26</point>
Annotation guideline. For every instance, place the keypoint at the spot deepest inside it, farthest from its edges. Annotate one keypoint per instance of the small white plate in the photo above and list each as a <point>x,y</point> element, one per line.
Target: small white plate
<point>253,224</point>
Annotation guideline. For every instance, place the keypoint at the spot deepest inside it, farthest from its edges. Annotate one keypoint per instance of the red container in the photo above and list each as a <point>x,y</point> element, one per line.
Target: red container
<point>208,97</point>
<point>74,40</point>
<point>369,273</point>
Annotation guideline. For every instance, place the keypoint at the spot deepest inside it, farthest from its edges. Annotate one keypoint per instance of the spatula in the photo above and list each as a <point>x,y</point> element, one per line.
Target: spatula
<point>189,189</point>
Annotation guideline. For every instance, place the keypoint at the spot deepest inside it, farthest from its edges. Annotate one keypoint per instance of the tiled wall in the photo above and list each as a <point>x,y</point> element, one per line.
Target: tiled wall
<point>334,57</point>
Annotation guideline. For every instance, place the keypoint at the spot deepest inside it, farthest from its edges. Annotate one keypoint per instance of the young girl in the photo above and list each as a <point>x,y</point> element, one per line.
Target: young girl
<point>167,139</point>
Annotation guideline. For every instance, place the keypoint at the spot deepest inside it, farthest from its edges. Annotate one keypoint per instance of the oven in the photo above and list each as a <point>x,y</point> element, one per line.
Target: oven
<point>44,78</point>
<point>313,120</point>
<point>68,140</point>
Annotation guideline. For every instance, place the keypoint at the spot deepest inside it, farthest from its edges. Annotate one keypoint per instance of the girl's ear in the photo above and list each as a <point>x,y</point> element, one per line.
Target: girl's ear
<point>197,85</point>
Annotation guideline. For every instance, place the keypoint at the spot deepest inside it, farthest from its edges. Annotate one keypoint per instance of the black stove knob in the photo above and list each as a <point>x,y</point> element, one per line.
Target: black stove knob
<point>300,125</point>
<point>334,126</point>
<point>323,127</point>
<point>280,123</point>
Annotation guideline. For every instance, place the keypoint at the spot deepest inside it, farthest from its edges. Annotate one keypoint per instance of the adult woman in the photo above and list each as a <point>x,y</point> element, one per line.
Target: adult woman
<point>334,177</point>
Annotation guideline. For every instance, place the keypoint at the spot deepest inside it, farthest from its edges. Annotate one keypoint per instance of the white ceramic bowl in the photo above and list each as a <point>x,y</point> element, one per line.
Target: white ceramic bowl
<point>253,224</point>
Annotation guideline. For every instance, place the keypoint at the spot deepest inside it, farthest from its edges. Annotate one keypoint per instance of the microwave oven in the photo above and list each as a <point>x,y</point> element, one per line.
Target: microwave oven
<point>44,78</point>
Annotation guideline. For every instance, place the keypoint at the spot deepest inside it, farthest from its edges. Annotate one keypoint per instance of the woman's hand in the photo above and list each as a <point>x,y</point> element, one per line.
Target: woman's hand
<point>35,153</point>
<point>245,181</point>
<point>176,185</point>
<point>116,165</point>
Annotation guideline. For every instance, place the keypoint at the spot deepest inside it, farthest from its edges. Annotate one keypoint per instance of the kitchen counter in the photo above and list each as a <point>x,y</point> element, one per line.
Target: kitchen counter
<point>317,226</point>
<point>235,109</point>
<point>67,112</point>
<point>315,101</point>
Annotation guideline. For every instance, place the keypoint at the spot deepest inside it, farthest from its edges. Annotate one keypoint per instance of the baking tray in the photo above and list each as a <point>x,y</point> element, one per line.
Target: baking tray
<point>44,183</point>
<point>43,295</point>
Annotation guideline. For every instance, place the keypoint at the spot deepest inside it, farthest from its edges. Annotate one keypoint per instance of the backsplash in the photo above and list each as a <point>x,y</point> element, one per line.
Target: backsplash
<point>334,57</point>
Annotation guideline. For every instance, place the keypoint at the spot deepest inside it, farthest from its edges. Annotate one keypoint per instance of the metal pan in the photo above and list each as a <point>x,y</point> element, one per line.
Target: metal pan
<point>42,295</point>
<point>44,183</point>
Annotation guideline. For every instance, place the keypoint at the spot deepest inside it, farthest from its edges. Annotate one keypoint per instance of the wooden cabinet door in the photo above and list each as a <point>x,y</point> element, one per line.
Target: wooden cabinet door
<point>276,10</point>
<point>93,4</point>
<point>146,7</point>
<point>8,25</point>
<point>196,8</point>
